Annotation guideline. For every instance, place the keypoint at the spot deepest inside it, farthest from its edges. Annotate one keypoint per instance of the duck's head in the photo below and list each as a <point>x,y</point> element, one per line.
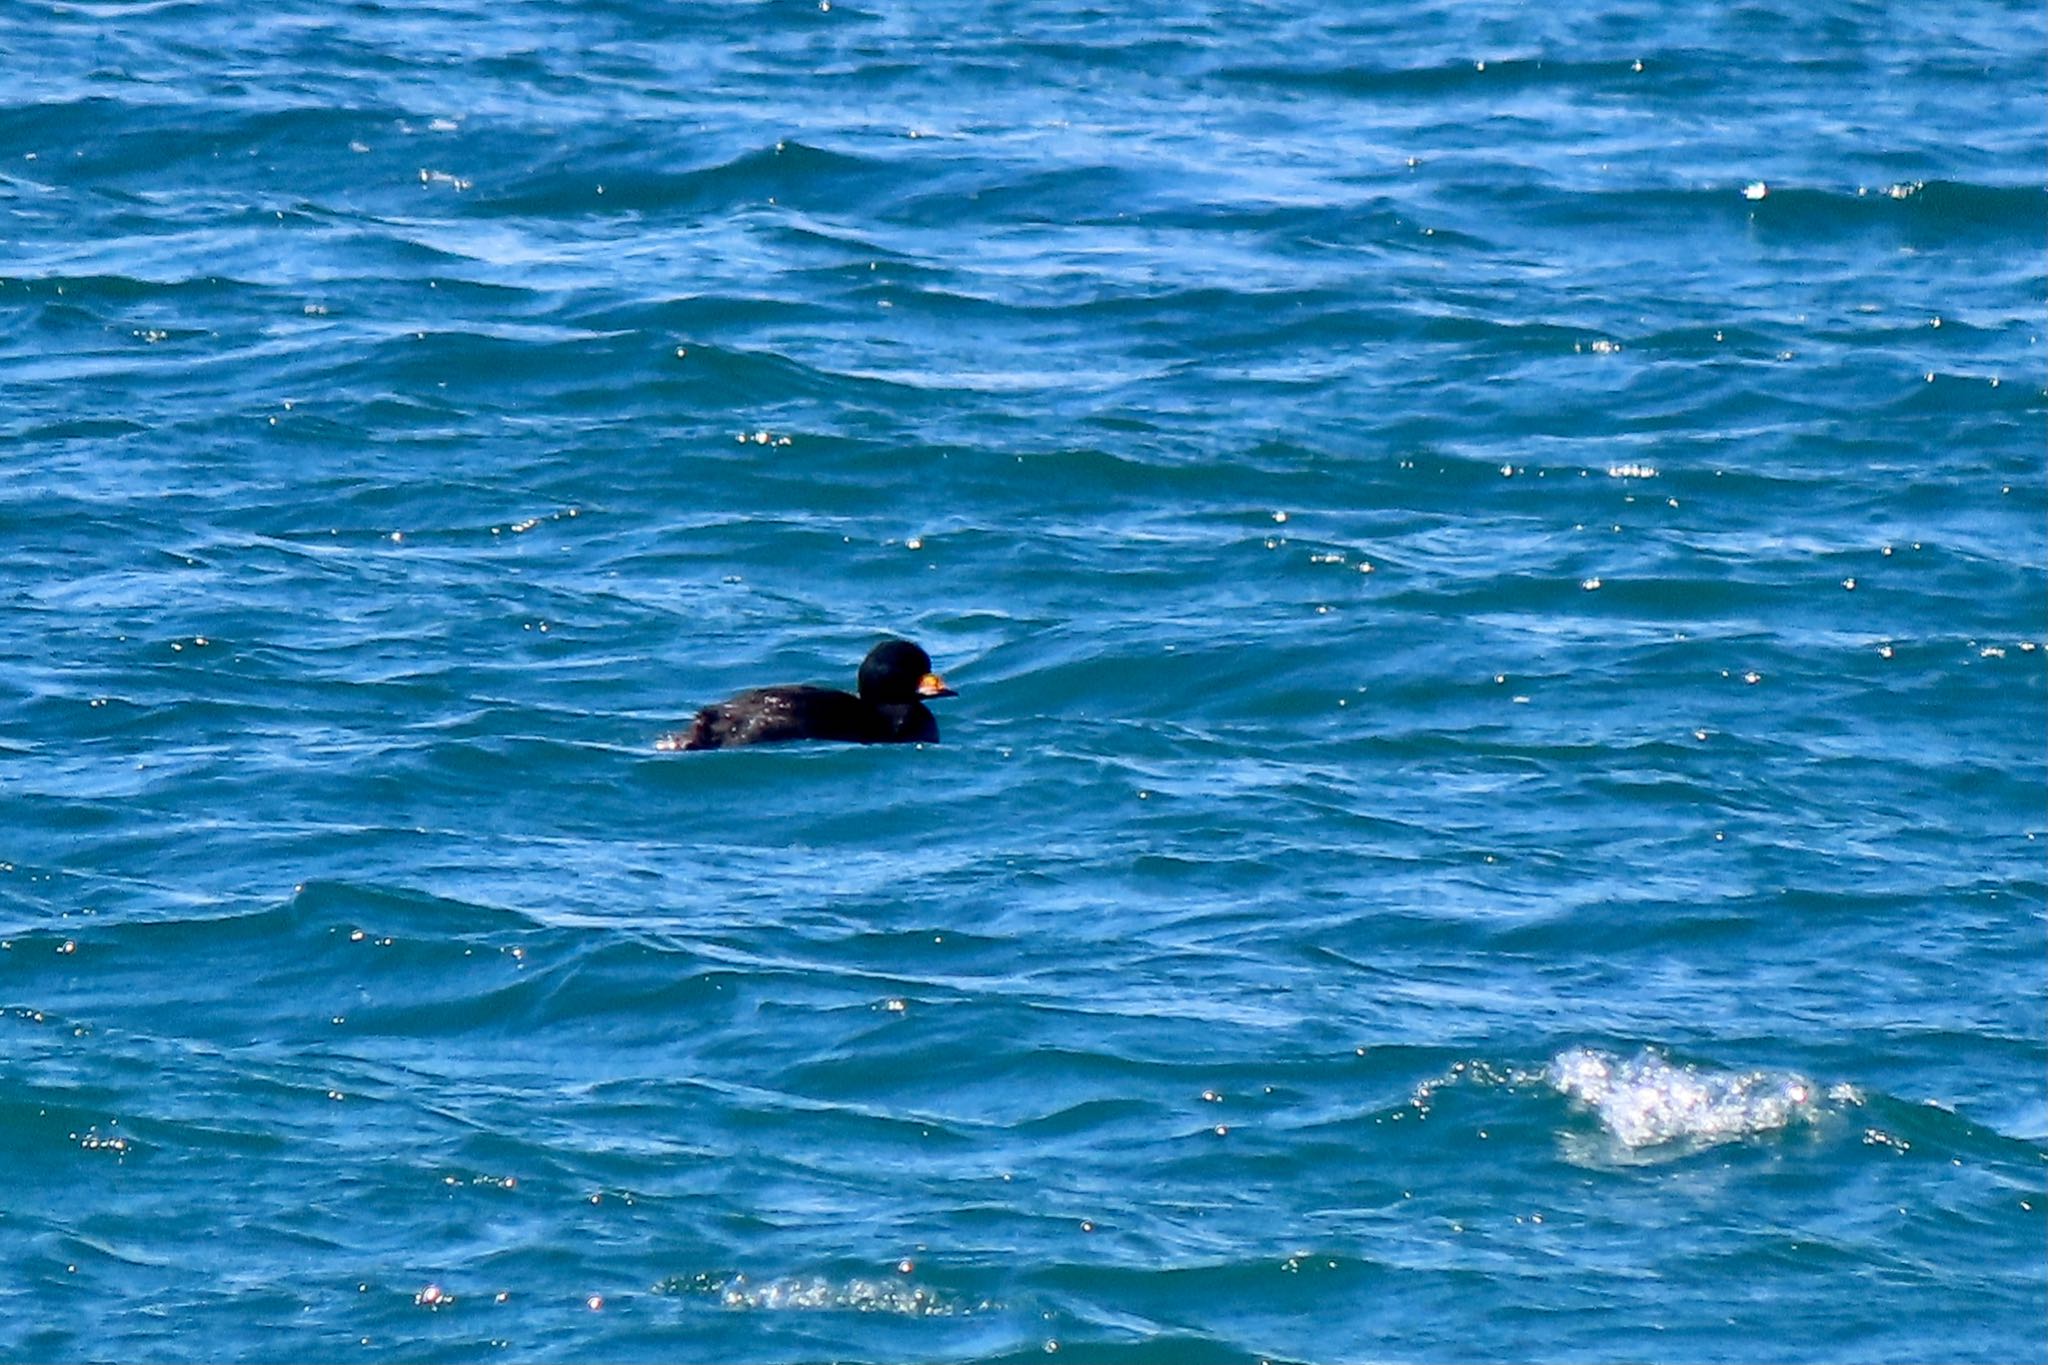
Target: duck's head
<point>896,672</point>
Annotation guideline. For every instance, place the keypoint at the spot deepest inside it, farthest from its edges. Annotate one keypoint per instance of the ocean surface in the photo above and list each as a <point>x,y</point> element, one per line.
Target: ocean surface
<point>1495,561</point>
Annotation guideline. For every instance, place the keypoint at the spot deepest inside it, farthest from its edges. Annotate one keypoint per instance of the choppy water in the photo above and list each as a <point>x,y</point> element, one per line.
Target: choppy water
<point>1494,561</point>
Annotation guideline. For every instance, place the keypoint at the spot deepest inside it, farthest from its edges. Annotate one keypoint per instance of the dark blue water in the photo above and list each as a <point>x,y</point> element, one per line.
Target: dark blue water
<point>1494,559</point>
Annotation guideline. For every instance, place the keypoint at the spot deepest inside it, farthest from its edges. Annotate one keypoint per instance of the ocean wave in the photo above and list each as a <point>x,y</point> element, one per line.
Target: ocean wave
<point>787,171</point>
<point>900,1296</point>
<point>1253,411</point>
<point>1648,1101</point>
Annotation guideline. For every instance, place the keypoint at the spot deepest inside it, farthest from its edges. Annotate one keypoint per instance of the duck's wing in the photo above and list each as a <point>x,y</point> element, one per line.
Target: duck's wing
<point>771,715</point>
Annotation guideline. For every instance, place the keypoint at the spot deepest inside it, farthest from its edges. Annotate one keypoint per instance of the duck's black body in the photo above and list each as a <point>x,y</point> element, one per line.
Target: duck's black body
<point>894,680</point>
<point>768,715</point>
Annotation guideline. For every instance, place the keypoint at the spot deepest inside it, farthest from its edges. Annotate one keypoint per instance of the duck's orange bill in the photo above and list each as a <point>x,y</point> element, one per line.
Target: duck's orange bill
<point>932,685</point>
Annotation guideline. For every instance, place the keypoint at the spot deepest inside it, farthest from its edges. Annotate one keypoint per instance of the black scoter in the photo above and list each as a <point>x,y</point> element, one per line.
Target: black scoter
<point>895,681</point>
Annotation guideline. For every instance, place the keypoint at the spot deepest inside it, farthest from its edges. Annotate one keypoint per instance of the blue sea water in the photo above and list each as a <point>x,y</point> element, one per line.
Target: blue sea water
<point>1494,559</point>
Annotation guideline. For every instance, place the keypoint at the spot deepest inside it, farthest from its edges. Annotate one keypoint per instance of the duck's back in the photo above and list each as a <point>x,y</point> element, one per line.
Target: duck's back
<point>769,715</point>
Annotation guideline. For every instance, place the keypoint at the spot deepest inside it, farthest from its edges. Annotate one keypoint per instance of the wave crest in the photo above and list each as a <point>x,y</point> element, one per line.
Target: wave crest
<point>802,1293</point>
<point>1646,1100</point>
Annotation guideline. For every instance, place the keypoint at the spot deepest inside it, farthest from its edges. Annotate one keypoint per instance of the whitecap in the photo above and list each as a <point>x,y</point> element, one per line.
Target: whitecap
<point>813,1293</point>
<point>1646,1100</point>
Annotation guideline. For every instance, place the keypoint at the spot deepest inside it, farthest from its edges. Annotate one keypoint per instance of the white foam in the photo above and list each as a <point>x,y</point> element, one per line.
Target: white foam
<point>1645,1100</point>
<point>801,1293</point>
